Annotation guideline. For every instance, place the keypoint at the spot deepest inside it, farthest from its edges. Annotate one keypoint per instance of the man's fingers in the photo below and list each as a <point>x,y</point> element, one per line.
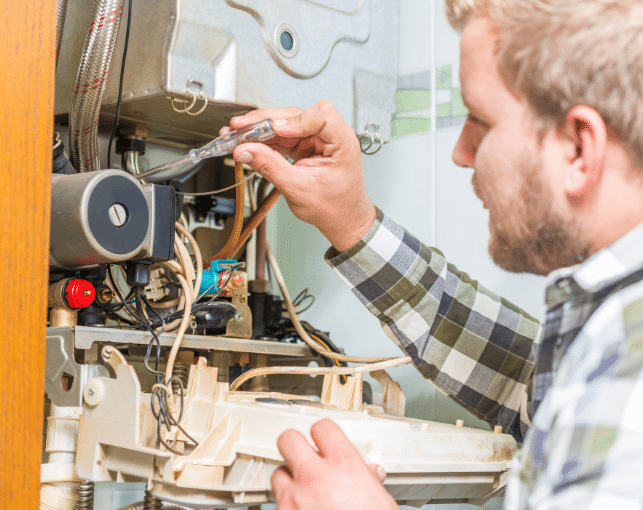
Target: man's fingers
<point>297,452</point>
<point>267,113</point>
<point>281,479</point>
<point>379,471</point>
<point>282,482</point>
<point>269,163</point>
<point>321,120</point>
<point>332,442</point>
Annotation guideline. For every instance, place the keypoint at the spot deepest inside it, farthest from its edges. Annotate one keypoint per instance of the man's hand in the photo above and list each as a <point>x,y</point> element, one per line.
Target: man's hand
<point>336,477</point>
<point>325,185</point>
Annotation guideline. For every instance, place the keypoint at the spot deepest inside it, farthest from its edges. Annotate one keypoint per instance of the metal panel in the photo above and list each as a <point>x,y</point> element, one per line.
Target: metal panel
<point>230,52</point>
<point>84,337</point>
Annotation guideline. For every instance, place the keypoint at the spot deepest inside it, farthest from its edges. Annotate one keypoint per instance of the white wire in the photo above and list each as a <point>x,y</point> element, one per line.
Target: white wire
<point>185,322</point>
<point>371,367</point>
<point>186,264</point>
<point>300,329</point>
<point>197,255</point>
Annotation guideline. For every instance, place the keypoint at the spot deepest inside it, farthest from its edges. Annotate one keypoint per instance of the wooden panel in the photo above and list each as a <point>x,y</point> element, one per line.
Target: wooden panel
<point>27,41</point>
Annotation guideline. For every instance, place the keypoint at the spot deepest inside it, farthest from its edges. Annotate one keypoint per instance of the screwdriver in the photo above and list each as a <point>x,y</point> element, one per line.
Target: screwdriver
<point>225,144</point>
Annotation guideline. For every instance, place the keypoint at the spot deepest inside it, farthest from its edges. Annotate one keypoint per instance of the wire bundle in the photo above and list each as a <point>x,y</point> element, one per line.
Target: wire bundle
<point>189,280</point>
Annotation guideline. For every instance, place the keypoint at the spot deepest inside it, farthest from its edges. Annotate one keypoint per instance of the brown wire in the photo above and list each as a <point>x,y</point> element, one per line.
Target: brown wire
<point>229,249</point>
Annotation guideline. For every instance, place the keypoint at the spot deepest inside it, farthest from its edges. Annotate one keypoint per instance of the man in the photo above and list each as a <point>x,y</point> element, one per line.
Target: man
<point>555,138</point>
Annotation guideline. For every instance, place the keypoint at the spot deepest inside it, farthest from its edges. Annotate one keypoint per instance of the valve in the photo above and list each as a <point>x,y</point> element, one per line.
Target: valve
<point>71,293</point>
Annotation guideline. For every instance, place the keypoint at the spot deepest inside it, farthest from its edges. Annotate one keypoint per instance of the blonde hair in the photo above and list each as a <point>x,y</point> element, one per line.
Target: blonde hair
<point>561,53</point>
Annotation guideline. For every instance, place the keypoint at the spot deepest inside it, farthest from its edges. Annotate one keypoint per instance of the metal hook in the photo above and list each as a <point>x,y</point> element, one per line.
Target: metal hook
<point>370,133</point>
<point>380,144</point>
<point>365,137</point>
<point>201,95</point>
<point>205,103</point>
<point>184,101</point>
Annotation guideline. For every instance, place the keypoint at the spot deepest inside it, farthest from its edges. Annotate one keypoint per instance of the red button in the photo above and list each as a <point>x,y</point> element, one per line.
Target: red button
<point>79,293</point>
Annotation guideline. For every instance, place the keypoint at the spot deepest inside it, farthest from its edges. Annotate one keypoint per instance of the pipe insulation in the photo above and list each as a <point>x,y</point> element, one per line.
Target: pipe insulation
<point>90,83</point>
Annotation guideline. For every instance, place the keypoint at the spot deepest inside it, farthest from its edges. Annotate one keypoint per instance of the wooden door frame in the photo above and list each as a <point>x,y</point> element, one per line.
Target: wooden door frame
<point>27,47</point>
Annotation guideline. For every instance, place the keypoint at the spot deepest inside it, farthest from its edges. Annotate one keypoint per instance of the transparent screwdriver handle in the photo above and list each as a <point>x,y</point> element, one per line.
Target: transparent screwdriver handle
<point>259,132</point>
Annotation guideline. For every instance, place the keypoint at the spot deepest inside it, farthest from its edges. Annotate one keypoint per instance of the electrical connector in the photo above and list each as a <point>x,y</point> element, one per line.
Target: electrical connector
<point>211,279</point>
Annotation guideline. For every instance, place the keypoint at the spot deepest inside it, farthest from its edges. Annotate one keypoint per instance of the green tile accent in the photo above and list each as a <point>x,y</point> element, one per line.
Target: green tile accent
<point>402,126</point>
<point>412,100</point>
<point>444,110</point>
<point>458,106</point>
<point>443,77</point>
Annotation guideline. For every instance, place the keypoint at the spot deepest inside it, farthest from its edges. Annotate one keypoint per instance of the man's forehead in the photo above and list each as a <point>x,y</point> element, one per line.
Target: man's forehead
<point>477,57</point>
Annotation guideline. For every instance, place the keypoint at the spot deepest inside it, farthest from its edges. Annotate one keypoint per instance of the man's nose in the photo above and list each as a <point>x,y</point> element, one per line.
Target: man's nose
<point>464,152</point>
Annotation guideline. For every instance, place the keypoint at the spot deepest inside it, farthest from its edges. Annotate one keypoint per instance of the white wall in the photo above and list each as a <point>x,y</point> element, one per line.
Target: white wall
<point>415,181</point>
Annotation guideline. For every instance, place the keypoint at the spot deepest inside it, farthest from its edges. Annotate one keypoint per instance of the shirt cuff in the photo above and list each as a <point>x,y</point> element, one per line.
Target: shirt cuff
<point>335,258</point>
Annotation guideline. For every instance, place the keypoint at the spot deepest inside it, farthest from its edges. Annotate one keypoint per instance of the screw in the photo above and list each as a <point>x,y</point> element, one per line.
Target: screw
<point>91,391</point>
<point>208,316</point>
<point>87,293</point>
<point>117,215</point>
<point>238,317</point>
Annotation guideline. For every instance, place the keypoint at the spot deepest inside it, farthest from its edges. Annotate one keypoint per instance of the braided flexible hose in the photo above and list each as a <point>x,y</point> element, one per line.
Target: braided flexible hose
<point>61,12</point>
<point>90,83</point>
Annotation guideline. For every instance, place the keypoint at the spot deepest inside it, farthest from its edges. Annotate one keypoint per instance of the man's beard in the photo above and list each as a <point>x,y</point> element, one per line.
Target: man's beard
<point>526,233</point>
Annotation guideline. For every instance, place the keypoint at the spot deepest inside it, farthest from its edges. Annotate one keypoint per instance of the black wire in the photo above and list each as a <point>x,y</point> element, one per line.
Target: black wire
<point>119,306</point>
<point>152,309</point>
<point>155,338</point>
<point>164,416</point>
<point>113,315</point>
<point>197,306</point>
<point>120,86</point>
<point>301,297</point>
<point>139,302</point>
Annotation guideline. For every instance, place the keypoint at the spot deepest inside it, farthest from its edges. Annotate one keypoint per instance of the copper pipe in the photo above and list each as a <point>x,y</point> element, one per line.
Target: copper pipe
<point>256,219</point>
<point>261,235</point>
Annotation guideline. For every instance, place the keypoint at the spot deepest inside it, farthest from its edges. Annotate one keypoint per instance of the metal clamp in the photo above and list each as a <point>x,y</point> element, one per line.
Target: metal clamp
<point>369,138</point>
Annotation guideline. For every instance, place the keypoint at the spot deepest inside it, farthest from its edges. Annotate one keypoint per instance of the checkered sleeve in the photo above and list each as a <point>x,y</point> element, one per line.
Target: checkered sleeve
<point>472,344</point>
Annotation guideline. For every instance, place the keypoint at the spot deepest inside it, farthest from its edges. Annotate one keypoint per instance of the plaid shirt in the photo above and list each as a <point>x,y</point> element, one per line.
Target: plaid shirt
<point>584,448</point>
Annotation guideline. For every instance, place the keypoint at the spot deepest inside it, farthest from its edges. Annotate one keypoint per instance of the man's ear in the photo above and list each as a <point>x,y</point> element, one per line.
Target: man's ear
<point>586,130</point>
